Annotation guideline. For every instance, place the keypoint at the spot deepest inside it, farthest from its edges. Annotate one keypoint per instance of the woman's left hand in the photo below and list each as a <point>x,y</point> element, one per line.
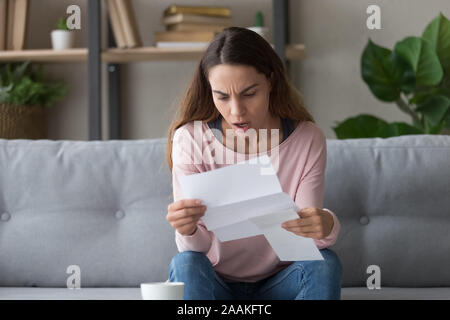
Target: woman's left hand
<point>313,223</point>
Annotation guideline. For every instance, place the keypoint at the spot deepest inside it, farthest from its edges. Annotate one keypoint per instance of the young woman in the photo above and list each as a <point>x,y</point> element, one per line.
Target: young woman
<point>241,84</point>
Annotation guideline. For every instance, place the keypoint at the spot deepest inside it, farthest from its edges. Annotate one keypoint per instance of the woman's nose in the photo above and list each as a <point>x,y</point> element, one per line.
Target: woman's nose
<point>236,108</point>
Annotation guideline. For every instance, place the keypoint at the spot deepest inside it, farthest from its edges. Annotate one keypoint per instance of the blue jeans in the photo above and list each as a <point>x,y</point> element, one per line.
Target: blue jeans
<point>301,280</point>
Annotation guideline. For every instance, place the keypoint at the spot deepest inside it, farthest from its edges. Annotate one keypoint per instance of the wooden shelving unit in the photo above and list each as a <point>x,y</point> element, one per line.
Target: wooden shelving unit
<point>94,56</point>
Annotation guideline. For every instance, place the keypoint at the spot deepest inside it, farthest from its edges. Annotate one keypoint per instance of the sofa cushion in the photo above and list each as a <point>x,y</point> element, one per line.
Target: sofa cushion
<point>392,199</point>
<point>99,205</point>
<point>17,293</point>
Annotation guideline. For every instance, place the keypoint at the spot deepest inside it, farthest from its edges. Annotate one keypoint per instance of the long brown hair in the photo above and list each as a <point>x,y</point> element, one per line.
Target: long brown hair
<point>237,46</point>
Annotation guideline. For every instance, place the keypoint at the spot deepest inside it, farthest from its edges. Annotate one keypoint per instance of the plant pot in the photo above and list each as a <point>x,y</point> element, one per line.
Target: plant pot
<point>22,122</point>
<point>62,39</point>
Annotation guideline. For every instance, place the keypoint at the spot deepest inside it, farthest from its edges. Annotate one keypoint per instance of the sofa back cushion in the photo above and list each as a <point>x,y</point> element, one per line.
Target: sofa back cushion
<point>98,205</point>
<point>392,197</point>
<point>101,205</point>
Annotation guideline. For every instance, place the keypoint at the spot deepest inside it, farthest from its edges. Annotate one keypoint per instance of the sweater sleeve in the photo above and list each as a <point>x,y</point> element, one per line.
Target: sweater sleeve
<point>311,189</point>
<point>183,164</point>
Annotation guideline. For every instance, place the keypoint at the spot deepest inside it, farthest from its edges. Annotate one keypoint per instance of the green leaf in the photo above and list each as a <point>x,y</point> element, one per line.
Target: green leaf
<point>23,85</point>
<point>397,129</point>
<point>362,126</point>
<point>419,97</point>
<point>434,109</point>
<point>379,71</point>
<point>420,55</point>
<point>447,120</point>
<point>438,34</point>
<point>407,76</point>
<point>62,24</point>
<point>367,126</point>
<point>19,71</point>
<point>436,129</point>
<point>445,91</point>
<point>4,93</point>
<point>8,74</point>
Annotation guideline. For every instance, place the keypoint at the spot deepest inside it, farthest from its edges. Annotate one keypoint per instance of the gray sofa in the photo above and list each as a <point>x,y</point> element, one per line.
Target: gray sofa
<point>101,206</point>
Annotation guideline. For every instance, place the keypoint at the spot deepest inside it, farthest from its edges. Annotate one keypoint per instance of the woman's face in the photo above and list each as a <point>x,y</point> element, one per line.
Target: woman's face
<point>241,95</point>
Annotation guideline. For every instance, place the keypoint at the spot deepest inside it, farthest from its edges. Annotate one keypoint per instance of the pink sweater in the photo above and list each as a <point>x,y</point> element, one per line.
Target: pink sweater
<point>300,167</point>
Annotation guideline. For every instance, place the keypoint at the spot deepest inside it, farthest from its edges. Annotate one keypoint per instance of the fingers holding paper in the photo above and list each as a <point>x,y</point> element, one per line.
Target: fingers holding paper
<point>313,223</point>
<point>184,214</point>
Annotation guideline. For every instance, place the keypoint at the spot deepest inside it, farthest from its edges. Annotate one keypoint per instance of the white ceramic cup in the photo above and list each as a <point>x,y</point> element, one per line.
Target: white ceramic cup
<point>162,290</point>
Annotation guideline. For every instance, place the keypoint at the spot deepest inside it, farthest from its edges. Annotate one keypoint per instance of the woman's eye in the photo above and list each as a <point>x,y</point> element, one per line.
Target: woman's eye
<point>246,95</point>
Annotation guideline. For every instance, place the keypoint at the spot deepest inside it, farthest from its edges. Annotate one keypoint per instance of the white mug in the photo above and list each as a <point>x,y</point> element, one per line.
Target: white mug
<point>162,290</point>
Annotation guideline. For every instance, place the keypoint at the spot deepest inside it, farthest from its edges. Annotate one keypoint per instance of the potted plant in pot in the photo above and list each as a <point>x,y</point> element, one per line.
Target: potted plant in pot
<point>415,75</point>
<point>62,37</point>
<point>24,97</point>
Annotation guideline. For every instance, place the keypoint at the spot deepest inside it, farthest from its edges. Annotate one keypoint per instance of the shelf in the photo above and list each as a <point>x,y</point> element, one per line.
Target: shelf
<point>151,54</point>
<point>45,55</point>
<point>293,51</point>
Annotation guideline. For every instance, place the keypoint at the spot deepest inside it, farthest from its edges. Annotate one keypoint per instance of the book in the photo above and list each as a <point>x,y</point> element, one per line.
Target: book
<point>9,25</point>
<point>133,22</point>
<point>193,36</point>
<point>115,24</point>
<point>184,26</point>
<point>195,18</point>
<point>200,10</point>
<point>128,23</point>
<point>3,23</point>
<point>19,24</point>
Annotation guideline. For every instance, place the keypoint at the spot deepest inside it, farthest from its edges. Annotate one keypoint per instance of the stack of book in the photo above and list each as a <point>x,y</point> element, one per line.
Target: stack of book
<point>191,26</point>
<point>13,23</point>
<point>123,23</point>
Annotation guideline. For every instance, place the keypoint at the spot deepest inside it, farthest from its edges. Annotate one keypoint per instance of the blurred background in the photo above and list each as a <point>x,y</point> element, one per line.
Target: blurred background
<point>334,33</point>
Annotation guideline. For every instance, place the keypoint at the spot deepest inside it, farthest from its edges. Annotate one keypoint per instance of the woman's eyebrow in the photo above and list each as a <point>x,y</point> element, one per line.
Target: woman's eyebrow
<point>243,91</point>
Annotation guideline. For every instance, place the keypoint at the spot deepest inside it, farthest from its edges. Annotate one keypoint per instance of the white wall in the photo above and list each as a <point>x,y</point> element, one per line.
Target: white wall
<point>334,32</point>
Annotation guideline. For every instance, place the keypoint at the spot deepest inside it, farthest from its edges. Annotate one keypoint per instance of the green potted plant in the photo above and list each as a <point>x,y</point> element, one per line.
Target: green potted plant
<point>415,75</point>
<point>258,26</point>
<point>62,37</point>
<point>24,97</point>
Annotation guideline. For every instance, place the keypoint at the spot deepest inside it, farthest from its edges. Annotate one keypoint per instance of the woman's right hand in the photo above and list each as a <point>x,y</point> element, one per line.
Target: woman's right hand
<point>184,214</point>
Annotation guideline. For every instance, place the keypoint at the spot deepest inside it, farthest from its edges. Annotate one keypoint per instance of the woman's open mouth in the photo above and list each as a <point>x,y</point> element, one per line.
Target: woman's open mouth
<point>242,126</point>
